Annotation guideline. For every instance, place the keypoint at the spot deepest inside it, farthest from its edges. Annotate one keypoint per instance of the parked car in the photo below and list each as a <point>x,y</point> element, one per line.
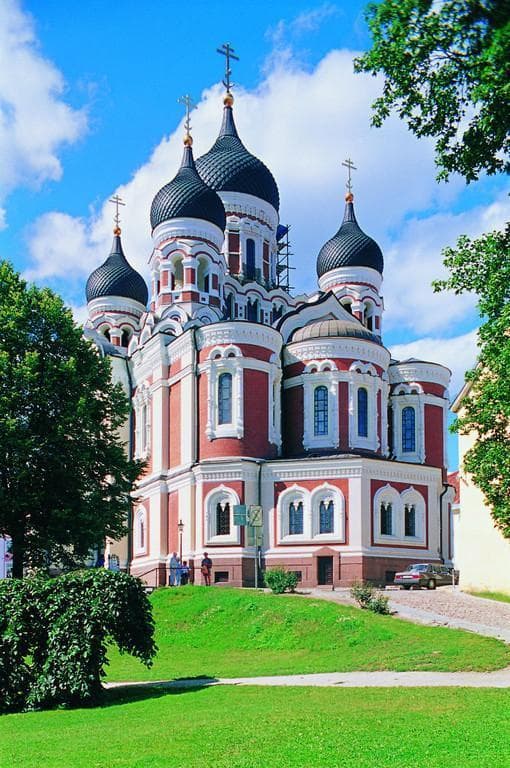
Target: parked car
<point>424,575</point>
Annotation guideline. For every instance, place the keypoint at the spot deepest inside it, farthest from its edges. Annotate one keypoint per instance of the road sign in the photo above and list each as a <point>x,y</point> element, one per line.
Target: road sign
<point>240,514</point>
<point>255,516</point>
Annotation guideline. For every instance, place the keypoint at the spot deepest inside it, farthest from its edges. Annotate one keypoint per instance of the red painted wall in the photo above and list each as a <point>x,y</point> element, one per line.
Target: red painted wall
<point>343,415</point>
<point>434,453</point>
<point>175,425</point>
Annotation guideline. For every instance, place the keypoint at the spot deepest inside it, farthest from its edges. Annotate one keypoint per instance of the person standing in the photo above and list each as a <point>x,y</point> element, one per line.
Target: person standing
<point>174,567</point>
<point>184,571</point>
<point>206,568</point>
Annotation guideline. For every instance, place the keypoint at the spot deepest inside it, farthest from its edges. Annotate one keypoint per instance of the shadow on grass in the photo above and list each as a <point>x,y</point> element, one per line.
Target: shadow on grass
<point>132,692</point>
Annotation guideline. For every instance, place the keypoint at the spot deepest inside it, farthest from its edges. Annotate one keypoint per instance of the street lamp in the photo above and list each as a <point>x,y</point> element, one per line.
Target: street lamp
<point>180,528</point>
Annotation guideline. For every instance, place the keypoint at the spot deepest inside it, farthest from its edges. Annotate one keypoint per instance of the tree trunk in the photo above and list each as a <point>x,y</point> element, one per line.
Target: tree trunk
<point>18,554</point>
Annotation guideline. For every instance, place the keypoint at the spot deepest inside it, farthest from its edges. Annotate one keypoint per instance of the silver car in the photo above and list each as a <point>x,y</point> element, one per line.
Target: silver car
<point>424,575</point>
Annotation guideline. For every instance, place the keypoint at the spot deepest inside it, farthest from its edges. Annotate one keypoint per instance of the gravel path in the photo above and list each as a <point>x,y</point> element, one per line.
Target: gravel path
<point>498,679</point>
<point>444,606</point>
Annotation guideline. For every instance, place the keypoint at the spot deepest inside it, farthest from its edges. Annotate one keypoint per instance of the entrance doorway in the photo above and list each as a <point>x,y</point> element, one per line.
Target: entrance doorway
<point>325,570</point>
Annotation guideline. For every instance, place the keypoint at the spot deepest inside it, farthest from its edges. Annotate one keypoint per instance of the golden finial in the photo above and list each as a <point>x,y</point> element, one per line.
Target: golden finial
<point>228,99</point>
<point>188,140</point>
<point>116,200</point>
<point>349,197</point>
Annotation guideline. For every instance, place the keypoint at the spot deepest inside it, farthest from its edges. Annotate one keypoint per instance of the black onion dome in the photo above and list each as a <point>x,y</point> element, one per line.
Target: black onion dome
<point>350,247</point>
<point>187,196</point>
<point>117,278</point>
<point>229,167</point>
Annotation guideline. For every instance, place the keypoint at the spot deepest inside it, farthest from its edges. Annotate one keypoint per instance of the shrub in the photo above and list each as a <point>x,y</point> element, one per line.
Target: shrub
<point>63,626</point>
<point>367,598</point>
<point>279,580</point>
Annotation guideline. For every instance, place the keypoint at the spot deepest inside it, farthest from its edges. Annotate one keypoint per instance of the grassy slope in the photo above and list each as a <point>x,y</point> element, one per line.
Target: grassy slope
<point>276,727</point>
<point>500,596</point>
<point>229,632</point>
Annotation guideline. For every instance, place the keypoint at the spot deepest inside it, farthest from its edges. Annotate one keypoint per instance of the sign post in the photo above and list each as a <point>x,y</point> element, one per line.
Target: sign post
<point>256,522</point>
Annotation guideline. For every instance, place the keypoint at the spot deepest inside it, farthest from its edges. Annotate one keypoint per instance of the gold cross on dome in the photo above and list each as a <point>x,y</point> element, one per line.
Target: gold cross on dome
<point>189,105</point>
<point>351,167</point>
<point>116,200</point>
<point>227,51</point>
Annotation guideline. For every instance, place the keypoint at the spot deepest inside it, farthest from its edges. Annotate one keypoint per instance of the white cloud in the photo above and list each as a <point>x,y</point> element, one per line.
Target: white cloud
<point>458,354</point>
<point>35,121</point>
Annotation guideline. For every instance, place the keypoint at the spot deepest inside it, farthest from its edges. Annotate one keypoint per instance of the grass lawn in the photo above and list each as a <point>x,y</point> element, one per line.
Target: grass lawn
<point>493,596</point>
<point>269,728</point>
<point>220,632</point>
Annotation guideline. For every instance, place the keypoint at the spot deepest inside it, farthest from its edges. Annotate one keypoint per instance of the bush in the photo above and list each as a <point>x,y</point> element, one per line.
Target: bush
<point>367,598</point>
<point>279,580</point>
<point>63,626</point>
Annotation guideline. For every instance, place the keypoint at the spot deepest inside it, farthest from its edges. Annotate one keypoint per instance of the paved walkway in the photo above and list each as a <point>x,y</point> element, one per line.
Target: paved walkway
<point>498,679</point>
<point>441,607</point>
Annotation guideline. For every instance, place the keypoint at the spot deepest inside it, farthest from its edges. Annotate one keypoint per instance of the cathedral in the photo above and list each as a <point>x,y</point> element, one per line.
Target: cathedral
<point>243,394</point>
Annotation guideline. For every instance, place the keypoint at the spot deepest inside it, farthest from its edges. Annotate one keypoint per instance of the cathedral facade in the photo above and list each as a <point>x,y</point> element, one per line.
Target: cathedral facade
<point>245,395</point>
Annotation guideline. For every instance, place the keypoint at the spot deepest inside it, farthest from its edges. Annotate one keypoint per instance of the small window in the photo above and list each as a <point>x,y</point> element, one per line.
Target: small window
<point>410,520</point>
<point>141,534</point>
<point>250,259</point>
<point>230,306</point>
<point>295,518</point>
<point>326,516</point>
<point>362,412</point>
<point>408,430</point>
<point>320,411</point>
<point>223,519</point>
<point>386,519</point>
<point>220,577</point>
<point>225,398</point>
<point>298,575</point>
<point>252,311</point>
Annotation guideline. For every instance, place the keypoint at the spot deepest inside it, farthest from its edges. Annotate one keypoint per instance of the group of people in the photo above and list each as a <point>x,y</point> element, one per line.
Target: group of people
<point>180,574</point>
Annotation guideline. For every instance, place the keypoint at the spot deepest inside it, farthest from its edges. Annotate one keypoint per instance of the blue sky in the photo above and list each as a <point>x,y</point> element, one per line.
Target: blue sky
<point>88,107</point>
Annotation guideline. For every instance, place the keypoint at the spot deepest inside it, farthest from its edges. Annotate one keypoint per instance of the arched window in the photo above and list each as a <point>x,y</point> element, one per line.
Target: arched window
<point>106,333</point>
<point>250,259</point>
<point>386,512</point>
<point>326,516</point>
<point>320,411</point>
<point>409,520</point>
<point>229,302</point>
<point>178,280</point>
<point>362,412</point>
<point>143,428</point>
<point>295,518</point>
<point>347,304</point>
<point>126,336</point>
<point>408,430</point>
<point>253,311</point>
<point>225,398</point>
<point>140,531</point>
<point>223,519</point>
<point>141,534</point>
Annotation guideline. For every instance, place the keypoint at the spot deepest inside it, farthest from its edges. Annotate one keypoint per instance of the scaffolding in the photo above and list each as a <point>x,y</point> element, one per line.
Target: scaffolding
<point>283,254</point>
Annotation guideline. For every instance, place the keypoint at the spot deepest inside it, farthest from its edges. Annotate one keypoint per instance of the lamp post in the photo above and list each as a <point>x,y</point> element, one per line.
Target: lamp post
<point>180,528</point>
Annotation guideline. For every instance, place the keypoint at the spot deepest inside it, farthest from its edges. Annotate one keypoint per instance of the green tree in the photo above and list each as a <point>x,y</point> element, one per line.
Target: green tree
<point>482,266</point>
<point>446,69</point>
<point>65,480</point>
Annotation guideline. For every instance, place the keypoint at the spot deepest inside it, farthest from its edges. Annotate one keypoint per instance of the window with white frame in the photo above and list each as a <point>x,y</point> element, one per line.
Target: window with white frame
<point>362,412</point>
<point>293,514</point>
<point>224,369</point>
<point>219,510</point>
<point>140,531</point>
<point>400,516</point>
<point>409,520</point>
<point>142,403</point>
<point>408,429</point>
<point>225,398</point>
<point>413,515</point>
<point>326,516</point>
<point>320,411</point>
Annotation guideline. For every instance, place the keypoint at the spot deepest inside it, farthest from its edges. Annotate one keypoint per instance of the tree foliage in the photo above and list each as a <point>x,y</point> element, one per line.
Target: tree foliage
<point>65,480</point>
<point>446,69</point>
<point>54,635</point>
<point>482,266</point>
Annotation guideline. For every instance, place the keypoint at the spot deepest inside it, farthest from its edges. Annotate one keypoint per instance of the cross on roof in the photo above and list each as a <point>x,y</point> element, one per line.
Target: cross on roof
<point>189,104</point>
<point>116,200</point>
<point>227,51</point>
<point>351,167</point>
